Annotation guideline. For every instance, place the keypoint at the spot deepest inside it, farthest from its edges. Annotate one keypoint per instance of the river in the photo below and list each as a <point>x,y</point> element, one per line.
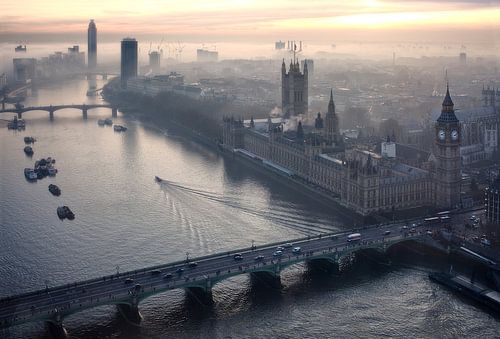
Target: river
<point>125,220</point>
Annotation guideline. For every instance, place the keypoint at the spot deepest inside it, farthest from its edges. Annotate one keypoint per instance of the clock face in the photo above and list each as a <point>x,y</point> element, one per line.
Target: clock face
<point>454,134</point>
<point>441,134</point>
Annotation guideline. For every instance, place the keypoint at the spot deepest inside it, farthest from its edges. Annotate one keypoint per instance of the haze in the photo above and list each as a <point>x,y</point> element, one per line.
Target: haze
<point>317,21</point>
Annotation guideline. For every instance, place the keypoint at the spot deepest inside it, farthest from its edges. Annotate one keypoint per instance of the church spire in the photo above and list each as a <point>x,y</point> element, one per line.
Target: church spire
<point>331,104</point>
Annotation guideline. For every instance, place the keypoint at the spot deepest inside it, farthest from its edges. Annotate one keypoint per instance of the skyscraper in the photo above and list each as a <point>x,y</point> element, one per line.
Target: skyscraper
<point>154,61</point>
<point>92,45</point>
<point>128,60</point>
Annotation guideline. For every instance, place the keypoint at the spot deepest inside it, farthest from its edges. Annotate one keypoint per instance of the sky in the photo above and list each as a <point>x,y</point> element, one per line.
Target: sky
<point>312,20</point>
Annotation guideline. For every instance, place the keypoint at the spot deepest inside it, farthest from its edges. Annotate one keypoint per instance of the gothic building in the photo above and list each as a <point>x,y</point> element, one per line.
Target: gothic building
<point>491,97</point>
<point>331,131</point>
<point>447,153</point>
<point>357,178</point>
<point>294,89</point>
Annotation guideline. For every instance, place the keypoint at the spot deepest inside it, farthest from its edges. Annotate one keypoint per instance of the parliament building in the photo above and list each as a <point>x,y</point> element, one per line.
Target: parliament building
<point>359,179</point>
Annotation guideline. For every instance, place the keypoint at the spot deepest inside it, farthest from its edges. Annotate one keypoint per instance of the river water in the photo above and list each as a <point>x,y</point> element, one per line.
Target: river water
<point>124,220</point>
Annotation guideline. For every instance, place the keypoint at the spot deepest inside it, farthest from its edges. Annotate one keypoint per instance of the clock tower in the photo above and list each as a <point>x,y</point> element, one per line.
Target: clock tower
<point>447,152</point>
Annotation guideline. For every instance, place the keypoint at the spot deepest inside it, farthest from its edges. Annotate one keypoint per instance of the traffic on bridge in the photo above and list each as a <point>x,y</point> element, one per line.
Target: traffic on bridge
<point>200,274</point>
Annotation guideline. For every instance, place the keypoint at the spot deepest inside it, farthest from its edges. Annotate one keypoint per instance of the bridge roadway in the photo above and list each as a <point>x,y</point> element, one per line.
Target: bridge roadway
<point>53,304</point>
<point>52,108</point>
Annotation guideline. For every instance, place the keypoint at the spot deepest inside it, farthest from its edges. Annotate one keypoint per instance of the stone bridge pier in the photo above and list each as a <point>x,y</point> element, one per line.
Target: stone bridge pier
<point>3,104</point>
<point>130,311</point>
<point>55,326</point>
<point>326,265</point>
<point>19,115</point>
<point>84,112</point>
<point>114,112</point>
<point>201,293</point>
<point>51,114</point>
<point>267,278</point>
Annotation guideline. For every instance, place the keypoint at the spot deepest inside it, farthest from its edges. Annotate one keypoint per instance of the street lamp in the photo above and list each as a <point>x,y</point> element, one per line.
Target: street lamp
<point>187,256</point>
<point>253,246</point>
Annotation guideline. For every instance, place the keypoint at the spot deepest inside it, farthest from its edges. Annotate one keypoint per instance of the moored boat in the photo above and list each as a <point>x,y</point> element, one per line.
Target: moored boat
<point>158,179</point>
<point>54,190</point>
<point>101,122</point>
<point>29,140</point>
<point>119,128</point>
<point>30,174</point>
<point>108,122</point>
<point>28,150</point>
<point>52,171</point>
<point>65,212</point>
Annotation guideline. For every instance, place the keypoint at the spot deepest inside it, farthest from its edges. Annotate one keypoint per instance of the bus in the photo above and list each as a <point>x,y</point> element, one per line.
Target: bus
<point>443,213</point>
<point>445,218</point>
<point>354,237</point>
<point>432,220</point>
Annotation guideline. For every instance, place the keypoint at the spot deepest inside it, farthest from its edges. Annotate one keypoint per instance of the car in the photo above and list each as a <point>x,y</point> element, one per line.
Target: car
<point>129,281</point>
<point>277,253</point>
<point>167,276</point>
<point>155,272</point>
<point>180,270</point>
<point>259,258</point>
<point>280,248</point>
<point>404,227</point>
<point>429,232</point>
<point>413,225</point>
<point>334,237</point>
<point>413,230</point>
<point>238,256</point>
<point>472,217</point>
<point>192,264</point>
<point>387,232</point>
<point>486,242</point>
<point>296,250</point>
<point>288,245</point>
<point>137,287</point>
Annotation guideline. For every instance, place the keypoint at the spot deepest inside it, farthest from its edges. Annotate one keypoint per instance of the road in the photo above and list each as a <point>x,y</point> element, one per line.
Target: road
<point>130,287</point>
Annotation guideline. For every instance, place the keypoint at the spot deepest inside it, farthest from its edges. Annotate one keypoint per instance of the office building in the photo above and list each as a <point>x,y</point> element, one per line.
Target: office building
<point>128,60</point>
<point>92,45</point>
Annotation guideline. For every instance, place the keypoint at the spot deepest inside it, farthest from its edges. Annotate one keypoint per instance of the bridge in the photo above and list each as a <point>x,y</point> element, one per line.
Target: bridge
<point>198,275</point>
<point>19,109</point>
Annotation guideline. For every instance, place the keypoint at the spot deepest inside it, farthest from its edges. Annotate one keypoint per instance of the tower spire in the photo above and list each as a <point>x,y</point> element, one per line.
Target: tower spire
<point>331,104</point>
<point>447,110</point>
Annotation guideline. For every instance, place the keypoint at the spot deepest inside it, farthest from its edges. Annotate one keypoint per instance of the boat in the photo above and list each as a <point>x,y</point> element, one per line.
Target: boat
<point>54,190</point>
<point>69,214</point>
<point>29,140</point>
<point>45,167</point>
<point>28,150</point>
<point>30,174</point>
<point>65,212</point>
<point>20,48</point>
<point>61,212</point>
<point>108,122</point>
<point>158,179</point>
<point>52,171</point>
<point>16,124</point>
<point>119,128</point>
<point>101,122</point>
<point>469,288</point>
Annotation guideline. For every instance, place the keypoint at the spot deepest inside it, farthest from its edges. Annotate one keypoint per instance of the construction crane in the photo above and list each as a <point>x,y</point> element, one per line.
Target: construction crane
<point>179,49</point>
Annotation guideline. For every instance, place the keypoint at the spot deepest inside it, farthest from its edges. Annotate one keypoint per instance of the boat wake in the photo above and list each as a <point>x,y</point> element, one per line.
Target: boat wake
<point>281,216</point>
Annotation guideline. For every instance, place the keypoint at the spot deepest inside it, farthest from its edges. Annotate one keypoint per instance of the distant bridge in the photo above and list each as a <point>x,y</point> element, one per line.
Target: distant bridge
<point>196,275</point>
<point>19,110</point>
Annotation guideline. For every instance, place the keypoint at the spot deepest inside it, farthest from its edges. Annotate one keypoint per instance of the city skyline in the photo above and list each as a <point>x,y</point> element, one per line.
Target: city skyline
<point>253,20</point>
